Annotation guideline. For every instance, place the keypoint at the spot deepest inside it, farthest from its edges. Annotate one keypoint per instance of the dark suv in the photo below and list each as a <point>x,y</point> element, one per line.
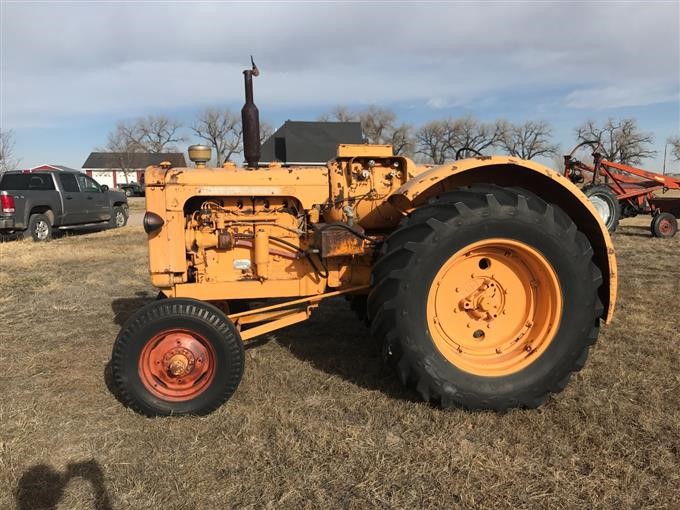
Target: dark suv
<point>43,200</point>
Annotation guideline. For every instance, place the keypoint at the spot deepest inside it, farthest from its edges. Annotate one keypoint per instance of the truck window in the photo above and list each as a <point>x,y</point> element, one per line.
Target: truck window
<point>42,182</point>
<point>68,182</point>
<point>87,184</point>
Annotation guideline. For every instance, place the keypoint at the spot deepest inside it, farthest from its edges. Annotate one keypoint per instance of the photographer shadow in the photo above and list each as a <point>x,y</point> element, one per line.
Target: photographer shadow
<point>41,487</point>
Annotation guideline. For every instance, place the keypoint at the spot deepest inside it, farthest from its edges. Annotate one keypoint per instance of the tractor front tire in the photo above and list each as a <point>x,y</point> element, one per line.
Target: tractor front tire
<point>177,356</point>
<point>486,298</point>
<point>606,204</point>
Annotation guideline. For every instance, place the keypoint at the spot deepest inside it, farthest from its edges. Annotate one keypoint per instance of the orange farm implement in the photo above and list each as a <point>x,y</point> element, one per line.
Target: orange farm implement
<point>623,191</point>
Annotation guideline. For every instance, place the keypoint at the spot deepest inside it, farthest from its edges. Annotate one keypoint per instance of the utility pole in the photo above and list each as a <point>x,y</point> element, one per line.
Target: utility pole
<point>664,158</point>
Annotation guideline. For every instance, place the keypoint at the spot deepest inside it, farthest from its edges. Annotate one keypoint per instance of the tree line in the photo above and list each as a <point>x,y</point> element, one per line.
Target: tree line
<point>434,142</point>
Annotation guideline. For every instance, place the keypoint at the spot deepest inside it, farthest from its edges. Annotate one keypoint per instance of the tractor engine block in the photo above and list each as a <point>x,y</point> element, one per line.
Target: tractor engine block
<point>234,239</point>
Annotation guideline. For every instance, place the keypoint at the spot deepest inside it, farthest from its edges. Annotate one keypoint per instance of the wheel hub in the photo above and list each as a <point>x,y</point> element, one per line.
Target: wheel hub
<point>665,226</point>
<point>177,365</point>
<point>179,362</point>
<point>494,306</point>
<point>485,302</point>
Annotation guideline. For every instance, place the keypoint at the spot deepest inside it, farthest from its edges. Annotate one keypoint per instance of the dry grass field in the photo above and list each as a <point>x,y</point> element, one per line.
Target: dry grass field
<point>317,421</point>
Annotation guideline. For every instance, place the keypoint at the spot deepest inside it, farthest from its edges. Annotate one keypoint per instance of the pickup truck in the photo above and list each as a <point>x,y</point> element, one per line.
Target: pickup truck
<point>132,189</point>
<point>40,201</point>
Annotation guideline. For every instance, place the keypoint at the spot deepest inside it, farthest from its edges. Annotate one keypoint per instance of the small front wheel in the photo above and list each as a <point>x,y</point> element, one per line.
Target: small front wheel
<point>177,356</point>
<point>664,225</point>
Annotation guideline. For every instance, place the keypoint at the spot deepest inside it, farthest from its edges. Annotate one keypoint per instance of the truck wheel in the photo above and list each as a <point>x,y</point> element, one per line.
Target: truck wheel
<point>664,225</point>
<point>118,217</point>
<point>128,193</point>
<point>177,356</point>
<point>606,204</point>
<point>486,298</point>
<point>40,227</point>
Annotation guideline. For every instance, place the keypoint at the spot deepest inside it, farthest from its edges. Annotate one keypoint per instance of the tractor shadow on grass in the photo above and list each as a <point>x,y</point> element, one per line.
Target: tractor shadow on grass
<point>42,487</point>
<point>123,308</point>
<point>634,231</point>
<point>335,341</point>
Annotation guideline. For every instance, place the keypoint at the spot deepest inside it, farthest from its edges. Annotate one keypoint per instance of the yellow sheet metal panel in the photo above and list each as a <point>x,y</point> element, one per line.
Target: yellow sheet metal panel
<point>348,150</point>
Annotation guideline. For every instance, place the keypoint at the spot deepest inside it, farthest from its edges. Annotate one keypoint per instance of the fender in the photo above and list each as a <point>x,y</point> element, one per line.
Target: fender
<point>539,179</point>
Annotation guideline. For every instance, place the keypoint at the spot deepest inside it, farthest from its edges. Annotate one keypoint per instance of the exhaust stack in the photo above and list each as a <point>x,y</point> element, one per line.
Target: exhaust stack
<point>250,118</point>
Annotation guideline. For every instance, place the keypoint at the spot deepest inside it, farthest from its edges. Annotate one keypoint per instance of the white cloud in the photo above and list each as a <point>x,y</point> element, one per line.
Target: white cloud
<point>623,95</point>
<point>124,59</point>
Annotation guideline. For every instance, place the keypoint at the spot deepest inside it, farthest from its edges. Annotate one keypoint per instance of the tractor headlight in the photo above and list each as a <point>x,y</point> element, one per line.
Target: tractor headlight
<point>152,222</point>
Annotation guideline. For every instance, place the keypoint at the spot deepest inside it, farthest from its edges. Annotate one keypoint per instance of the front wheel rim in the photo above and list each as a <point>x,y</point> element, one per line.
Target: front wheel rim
<point>602,207</point>
<point>494,307</point>
<point>120,219</point>
<point>177,365</point>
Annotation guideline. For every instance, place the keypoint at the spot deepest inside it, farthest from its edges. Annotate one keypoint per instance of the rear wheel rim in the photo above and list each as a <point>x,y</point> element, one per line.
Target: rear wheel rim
<point>41,230</point>
<point>177,365</point>
<point>494,307</point>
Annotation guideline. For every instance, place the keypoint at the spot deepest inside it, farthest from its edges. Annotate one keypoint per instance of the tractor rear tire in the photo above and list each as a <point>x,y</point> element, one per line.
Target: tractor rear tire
<point>606,204</point>
<point>177,356</point>
<point>486,298</point>
<point>664,225</point>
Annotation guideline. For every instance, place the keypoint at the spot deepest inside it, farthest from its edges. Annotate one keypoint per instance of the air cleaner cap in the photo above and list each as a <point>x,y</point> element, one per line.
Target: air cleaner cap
<point>200,154</point>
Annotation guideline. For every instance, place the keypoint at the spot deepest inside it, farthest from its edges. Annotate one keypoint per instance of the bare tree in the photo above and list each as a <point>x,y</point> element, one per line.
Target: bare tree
<point>157,134</point>
<point>7,160</point>
<point>120,142</point>
<point>221,130</point>
<point>674,142</point>
<point>402,140</point>
<point>526,140</point>
<point>431,142</point>
<point>469,133</point>
<point>379,125</point>
<point>339,114</point>
<point>622,141</point>
<point>266,130</point>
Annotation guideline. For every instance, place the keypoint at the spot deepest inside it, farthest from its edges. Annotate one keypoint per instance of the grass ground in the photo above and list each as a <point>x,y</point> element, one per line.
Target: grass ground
<point>137,203</point>
<point>317,421</point>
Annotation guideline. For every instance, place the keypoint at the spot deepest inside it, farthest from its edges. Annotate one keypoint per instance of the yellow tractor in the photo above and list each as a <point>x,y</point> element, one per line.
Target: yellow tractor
<point>484,279</point>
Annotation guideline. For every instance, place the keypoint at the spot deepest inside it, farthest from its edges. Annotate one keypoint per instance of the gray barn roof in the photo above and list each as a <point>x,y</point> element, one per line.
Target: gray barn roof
<point>309,142</point>
<point>136,160</point>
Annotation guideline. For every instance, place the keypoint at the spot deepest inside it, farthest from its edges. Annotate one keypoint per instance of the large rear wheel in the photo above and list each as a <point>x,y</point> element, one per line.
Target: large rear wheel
<point>177,356</point>
<point>486,298</point>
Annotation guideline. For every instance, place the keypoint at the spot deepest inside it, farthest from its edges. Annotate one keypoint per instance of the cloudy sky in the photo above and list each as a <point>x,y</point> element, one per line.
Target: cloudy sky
<point>70,70</point>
